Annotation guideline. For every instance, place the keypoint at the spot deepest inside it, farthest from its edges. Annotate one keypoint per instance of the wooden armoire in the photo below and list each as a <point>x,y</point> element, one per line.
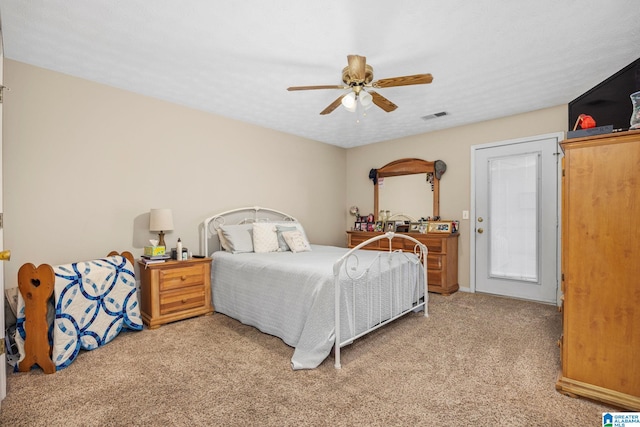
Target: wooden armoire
<point>600,344</point>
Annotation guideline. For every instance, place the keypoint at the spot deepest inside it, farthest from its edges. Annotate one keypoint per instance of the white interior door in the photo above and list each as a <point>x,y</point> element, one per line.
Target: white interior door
<point>516,218</point>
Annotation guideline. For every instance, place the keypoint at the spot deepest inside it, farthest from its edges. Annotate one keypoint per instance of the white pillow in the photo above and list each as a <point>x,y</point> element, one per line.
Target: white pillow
<point>238,237</point>
<point>223,242</point>
<point>265,238</point>
<point>296,241</point>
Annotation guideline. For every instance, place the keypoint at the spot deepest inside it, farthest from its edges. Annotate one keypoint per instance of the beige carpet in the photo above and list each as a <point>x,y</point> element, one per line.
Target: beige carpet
<point>478,360</point>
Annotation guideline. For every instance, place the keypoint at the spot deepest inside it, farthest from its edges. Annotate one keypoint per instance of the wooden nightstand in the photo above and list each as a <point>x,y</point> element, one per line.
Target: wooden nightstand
<point>175,290</point>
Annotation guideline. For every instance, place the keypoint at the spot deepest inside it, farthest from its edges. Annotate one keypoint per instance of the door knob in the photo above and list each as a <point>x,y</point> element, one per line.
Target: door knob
<point>480,230</point>
<point>5,255</point>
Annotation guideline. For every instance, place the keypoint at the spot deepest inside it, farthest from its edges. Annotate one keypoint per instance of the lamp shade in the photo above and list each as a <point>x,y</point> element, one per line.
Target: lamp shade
<point>160,220</point>
<point>366,100</point>
<point>349,102</point>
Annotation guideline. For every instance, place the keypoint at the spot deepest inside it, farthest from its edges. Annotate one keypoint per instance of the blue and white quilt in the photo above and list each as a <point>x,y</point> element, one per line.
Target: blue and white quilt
<point>93,301</point>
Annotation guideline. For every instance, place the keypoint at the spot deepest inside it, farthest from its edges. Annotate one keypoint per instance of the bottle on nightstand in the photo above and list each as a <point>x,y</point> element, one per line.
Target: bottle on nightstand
<point>179,250</point>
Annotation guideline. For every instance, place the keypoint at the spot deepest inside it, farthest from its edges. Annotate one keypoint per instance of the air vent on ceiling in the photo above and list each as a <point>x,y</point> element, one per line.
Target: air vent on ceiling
<point>434,115</point>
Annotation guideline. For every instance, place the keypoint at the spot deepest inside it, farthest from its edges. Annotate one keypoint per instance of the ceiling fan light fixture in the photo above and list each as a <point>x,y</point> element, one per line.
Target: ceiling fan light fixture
<point>366,100</point>
<point>350,102</point>
<point>356,76</point>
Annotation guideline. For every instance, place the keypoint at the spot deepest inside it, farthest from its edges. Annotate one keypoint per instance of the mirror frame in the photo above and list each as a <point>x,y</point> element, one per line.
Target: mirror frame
<point>408,166</point>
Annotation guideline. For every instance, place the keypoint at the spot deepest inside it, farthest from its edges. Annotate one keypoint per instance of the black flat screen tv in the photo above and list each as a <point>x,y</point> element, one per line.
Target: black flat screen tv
<point>609,102</point>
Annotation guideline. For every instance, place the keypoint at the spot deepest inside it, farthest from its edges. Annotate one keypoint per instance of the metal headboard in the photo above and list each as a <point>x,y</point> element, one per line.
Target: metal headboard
<point>209,241</point>
<point>401,216</point>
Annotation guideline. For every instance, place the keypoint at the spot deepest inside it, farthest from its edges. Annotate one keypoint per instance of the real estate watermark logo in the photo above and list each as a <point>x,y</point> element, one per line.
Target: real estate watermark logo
<point>621,419</point>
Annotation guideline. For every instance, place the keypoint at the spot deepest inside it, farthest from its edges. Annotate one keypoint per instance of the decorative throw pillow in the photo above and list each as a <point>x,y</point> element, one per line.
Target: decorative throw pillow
<point>265,238</point>
<point>281,242</point>
<point>295,224</point>
<point>239,237</point>
<point>296,241</point>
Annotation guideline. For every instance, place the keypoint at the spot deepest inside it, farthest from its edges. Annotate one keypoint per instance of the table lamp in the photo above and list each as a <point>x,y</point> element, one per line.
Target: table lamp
<point>160,220</point>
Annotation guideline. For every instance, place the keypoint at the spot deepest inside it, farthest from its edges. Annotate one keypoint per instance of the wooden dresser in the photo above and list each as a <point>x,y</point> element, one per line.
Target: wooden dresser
<point>600,344</point>
<point>175,290</point>
<point>442,259</point>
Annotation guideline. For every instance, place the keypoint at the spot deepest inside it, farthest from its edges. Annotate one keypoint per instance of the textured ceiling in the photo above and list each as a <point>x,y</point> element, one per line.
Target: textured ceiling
<point>489,58</point>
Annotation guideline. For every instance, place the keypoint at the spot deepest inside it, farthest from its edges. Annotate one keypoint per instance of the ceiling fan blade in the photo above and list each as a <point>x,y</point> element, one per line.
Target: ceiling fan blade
<point>317,87</point>
<point>416,79</point>
<point>333,105</point>
<point>382,102</point>
<point>357,67</point>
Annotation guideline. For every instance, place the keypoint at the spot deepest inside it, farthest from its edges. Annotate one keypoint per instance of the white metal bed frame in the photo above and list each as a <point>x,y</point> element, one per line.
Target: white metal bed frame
<point>210,225</point>
<point>346,264</point>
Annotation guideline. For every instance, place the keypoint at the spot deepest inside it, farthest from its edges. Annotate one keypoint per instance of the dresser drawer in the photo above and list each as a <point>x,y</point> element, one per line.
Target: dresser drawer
<point>183,299</point>
<point>435,277</point>
<point>373,246</point>
<point>396,244</point>
<point>434,262</point>
<point>434,245</point>
<point>177,278</point>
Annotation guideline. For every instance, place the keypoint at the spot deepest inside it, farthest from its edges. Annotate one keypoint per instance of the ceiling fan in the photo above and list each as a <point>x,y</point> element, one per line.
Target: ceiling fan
<point>358,76</point>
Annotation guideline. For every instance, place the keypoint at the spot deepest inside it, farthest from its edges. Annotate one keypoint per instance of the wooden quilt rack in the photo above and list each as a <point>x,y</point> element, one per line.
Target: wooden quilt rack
<point>36,286</point>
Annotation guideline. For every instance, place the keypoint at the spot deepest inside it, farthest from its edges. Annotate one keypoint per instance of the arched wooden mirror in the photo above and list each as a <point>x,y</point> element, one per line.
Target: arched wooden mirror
<point>432,170</point>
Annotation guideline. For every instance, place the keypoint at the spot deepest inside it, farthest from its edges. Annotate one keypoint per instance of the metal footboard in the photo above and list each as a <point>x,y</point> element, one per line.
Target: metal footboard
<point>368,297</point>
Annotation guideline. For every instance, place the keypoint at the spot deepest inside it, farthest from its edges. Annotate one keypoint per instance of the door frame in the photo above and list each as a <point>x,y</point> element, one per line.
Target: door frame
<point>3,358</point>
<point>472,229</point>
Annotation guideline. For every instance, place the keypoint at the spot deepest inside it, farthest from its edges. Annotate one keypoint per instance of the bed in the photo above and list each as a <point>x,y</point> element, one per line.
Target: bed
<point>314,297</point>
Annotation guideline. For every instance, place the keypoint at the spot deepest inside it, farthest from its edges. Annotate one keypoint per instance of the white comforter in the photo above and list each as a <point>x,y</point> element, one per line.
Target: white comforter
<point>291,295</point>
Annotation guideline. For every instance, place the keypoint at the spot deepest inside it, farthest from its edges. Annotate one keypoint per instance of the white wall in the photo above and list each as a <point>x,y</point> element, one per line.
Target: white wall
<point>453,146</point>
<point>83,163</point>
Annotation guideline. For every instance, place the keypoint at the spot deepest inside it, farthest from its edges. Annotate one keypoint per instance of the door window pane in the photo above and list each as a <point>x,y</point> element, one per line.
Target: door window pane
<point>513,217</point>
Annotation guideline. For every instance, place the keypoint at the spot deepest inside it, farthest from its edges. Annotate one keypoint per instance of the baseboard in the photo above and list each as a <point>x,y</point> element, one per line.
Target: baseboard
<point>575,388</point>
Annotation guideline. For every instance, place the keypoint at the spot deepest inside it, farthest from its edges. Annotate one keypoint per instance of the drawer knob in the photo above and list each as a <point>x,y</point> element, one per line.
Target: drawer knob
<point>184,300</point>
<point>183,277</point>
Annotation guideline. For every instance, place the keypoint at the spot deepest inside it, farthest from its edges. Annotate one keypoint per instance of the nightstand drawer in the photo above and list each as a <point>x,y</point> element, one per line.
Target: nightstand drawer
<point>178,278</point>
<point>174,290</point>
<point>181,300</point>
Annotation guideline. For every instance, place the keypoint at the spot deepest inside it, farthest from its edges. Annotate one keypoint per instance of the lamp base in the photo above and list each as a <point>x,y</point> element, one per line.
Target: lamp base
<point>161,239</point>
